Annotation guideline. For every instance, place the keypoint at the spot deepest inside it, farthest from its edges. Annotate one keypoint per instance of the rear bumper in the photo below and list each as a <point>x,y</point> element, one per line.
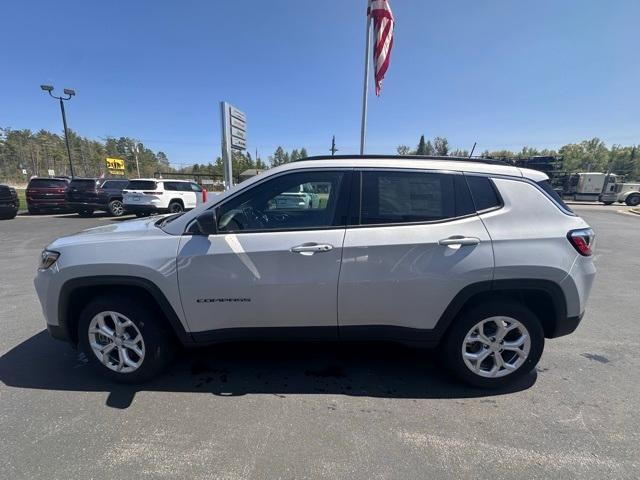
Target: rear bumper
<point>8,208</point>
<point>60,205</point>
<point>130,208</point>
<point>80,206</point>
<point>565,326</point>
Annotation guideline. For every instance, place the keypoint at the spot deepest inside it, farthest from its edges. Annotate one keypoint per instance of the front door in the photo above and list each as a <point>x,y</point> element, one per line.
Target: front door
<point>274,263</point>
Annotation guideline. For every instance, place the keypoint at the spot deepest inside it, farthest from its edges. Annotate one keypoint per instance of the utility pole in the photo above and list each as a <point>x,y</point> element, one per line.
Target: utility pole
<point>135,154</point>
<point>333,148</point>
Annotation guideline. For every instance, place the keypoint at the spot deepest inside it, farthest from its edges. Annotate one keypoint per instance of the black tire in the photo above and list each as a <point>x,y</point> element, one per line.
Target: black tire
<point>608,203</point>
<point>140,214</point>
<point>453,342</point>
<point>116,208</point>
<point>175,207</point>
<point>86,213</point>
<point>33,211</point>
<point>633,200</point>
<point>159,344</point>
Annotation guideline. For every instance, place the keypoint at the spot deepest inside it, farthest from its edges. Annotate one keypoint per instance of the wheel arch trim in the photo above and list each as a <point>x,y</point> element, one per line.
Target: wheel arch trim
<point>72,285</point>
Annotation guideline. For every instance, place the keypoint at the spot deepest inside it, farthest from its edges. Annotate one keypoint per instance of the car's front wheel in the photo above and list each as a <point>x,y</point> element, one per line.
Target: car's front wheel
<point>494,344</point>
<point>124,339</point>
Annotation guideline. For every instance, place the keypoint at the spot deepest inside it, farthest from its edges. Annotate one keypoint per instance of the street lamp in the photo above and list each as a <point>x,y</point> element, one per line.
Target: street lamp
<point>69,93</point>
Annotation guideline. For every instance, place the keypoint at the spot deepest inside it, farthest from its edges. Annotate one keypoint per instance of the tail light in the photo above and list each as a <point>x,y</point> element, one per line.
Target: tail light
<point>582,240</point>
<point>152,193</point>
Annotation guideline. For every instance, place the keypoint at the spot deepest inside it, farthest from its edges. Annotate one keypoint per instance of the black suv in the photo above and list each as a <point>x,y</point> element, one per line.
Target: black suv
<point>9,203</point>
<point>86,195</point>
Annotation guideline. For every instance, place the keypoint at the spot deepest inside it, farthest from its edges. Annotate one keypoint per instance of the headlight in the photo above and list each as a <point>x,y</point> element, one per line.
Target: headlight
<point>47,259</point>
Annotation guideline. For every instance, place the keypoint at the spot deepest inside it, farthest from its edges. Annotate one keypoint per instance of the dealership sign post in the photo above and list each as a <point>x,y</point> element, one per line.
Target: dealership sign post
<point>234,137</point>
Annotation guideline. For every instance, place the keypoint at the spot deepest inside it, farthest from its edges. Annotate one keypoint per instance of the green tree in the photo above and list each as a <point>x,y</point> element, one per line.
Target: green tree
<point>422,146</point>
<point>441,146</point>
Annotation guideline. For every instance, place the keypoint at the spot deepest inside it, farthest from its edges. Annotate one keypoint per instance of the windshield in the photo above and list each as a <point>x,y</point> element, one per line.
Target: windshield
<point>141,185</point>
<point>47,183</point>
<point>86,184</point>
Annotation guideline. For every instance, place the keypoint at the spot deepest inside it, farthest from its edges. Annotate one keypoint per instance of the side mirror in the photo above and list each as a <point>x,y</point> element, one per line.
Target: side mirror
<point>207,222</point>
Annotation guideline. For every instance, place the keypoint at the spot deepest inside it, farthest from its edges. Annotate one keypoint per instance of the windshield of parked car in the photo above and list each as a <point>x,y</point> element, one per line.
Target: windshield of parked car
<point>141,185</point>
<point>84,184</point>
<point>47,183</point>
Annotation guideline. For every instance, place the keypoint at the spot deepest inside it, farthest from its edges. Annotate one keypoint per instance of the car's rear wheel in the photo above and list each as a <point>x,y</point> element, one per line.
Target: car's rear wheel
<point>633,200</point>
<point>124,339</point>
<point>116,208</point>
<point>141,214</point>
<point>33,211</point>
<point>175,207</point>
<point>494,344</point>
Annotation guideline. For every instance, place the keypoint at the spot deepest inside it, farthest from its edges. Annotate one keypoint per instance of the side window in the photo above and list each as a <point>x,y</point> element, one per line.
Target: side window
<point>193,187</point>
<point>483,192</point>
<point>303,200</point>
<point>170,186</point>
<point>406,197</point>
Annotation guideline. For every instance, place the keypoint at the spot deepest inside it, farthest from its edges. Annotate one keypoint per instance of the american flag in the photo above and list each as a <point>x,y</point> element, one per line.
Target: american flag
<point>382,16</point>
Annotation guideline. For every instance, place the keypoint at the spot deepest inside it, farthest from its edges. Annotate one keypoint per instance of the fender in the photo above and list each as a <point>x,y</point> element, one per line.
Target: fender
<point>151,288</point>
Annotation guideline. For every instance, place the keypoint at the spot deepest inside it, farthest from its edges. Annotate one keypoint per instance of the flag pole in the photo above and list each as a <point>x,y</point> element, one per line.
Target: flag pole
<point>363,126</point>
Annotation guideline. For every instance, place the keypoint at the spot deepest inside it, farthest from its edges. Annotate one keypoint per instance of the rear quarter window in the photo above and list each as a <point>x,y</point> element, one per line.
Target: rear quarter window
<point>548,188</point>
<point>483,192</point>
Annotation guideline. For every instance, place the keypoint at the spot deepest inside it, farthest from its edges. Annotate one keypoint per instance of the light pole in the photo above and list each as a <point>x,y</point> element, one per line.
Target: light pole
<point>69,93</point>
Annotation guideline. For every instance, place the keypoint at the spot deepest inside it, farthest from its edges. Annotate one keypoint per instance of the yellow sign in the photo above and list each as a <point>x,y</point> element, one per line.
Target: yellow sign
<point>115,164</point>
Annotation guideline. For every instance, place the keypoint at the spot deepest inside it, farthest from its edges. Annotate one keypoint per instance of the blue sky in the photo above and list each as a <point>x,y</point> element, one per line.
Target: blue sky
<point>502,73</point>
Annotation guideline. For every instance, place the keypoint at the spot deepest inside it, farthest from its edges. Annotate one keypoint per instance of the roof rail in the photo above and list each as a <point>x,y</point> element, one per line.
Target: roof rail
<point>406,157</point>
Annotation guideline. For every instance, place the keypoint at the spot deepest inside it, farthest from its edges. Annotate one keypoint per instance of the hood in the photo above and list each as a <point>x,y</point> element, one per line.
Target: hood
<point>123,230</point>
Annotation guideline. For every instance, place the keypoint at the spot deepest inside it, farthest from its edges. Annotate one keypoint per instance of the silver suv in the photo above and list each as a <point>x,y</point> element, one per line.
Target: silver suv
<point>482,260</point>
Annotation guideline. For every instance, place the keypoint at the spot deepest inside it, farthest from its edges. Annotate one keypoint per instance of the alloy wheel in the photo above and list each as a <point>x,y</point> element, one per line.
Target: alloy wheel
<point>496,346</point>
<point>117,209</point>
<point>116,341</point>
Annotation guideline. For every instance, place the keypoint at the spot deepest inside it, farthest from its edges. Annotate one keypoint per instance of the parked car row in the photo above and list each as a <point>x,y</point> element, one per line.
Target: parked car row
<point>117,197</point>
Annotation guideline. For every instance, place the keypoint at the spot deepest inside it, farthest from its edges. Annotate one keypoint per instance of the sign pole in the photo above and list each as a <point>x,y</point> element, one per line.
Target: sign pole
<point>363,126</point>
<point>227,165</point>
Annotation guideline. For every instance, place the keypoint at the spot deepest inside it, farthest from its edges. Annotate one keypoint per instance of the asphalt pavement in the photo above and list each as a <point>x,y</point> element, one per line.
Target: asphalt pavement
<point>322,411</point>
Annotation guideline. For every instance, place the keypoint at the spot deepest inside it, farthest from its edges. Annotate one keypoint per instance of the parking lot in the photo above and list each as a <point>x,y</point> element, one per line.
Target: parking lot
<point>324,410</point>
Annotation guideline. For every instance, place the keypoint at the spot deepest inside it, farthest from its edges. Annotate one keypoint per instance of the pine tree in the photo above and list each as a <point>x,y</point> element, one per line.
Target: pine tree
<point>422,147</point>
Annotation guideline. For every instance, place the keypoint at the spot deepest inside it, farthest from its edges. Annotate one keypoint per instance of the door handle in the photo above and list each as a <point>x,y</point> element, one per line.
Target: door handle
<point>459,240</point>
<point>311,248</point>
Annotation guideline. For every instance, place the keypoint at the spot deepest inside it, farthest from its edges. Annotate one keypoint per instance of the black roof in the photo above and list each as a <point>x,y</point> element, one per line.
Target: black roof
<point>405,157</point>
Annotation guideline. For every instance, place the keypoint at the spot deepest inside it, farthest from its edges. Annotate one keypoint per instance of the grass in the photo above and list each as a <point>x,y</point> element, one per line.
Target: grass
<point>22,197</point>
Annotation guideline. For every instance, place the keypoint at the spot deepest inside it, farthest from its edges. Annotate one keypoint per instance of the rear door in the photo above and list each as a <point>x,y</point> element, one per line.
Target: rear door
<point>416,243</point>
